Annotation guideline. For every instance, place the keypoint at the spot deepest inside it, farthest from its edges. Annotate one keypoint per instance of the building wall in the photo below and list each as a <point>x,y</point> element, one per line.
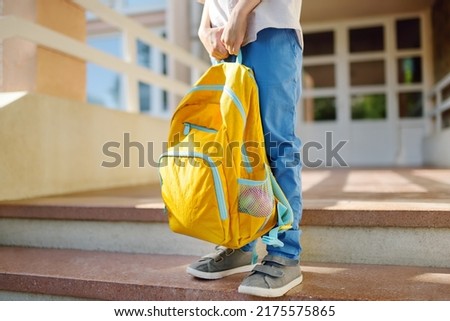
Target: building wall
<point>441,33</point>
<point>55,146</point>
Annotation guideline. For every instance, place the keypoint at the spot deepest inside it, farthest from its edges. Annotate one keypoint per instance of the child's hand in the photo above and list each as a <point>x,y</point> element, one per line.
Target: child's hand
<point>236,28</point>
<point>234,33</point>
<point>211,39</point>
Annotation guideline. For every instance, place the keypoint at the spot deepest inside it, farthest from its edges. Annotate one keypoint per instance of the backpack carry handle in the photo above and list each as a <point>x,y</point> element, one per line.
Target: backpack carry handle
<point>239,57</point>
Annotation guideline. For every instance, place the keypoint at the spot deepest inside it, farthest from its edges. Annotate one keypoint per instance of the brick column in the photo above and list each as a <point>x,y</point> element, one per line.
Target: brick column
<point>27,67</point>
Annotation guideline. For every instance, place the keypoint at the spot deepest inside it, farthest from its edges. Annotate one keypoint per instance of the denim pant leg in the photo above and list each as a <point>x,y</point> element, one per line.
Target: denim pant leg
<point>276,59</point>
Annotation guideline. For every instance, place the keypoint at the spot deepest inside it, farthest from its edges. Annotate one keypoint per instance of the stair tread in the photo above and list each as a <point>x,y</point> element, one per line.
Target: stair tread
<point>121,276</point>
<point>347,197</point>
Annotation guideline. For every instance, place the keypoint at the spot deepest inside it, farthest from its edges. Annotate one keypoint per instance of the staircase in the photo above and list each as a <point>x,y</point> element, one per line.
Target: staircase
<point>380,234</point>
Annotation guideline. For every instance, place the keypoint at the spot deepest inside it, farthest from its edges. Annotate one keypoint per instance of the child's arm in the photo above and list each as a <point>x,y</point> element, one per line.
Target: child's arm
<point>211,37</point>
<point>234,31</point>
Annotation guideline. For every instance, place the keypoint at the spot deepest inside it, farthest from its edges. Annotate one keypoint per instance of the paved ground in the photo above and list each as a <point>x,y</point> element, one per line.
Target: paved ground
<point>425,185</point>
<point>375,189</point>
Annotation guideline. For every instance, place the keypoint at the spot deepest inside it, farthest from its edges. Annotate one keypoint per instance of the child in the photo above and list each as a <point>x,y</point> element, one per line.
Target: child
<point>268,34</point>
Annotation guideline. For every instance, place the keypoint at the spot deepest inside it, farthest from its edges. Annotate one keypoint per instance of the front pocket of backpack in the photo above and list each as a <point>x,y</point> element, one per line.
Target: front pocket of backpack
<point>194,195</point>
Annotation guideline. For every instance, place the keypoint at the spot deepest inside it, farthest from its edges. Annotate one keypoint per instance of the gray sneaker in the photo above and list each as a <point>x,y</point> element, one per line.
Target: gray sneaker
<point>273,278</point>
<point>223,262</point>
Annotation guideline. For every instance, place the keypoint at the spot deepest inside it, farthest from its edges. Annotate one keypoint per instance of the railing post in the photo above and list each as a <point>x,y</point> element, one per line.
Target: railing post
<point>131,83</point>
<point>428,113</point>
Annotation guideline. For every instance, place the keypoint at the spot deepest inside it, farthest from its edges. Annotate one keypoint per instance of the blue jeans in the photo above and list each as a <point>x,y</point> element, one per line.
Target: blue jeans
<point>276,59</point>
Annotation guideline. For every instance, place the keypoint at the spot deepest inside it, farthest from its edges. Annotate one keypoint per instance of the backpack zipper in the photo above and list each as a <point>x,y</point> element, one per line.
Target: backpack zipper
<point>189,126</point>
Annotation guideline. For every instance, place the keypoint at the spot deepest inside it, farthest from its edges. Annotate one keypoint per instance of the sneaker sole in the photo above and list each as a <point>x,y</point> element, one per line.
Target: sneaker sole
<point>270,293</point>
<point>220,274</point>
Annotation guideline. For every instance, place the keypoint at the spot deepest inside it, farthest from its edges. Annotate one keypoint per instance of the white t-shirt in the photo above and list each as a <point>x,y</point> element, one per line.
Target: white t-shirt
<point>268,14</point>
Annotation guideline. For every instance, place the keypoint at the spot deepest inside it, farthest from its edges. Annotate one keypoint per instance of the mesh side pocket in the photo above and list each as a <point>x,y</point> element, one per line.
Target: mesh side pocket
<point>256,198</point>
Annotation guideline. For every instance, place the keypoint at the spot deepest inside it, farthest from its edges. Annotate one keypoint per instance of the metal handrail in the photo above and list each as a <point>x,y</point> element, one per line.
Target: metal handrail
<point>130,26</point>
<point>441,105</point>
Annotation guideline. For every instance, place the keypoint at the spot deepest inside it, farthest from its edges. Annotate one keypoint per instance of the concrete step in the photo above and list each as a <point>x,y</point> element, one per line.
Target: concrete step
<point>351,216</point>
<point>27,273</point>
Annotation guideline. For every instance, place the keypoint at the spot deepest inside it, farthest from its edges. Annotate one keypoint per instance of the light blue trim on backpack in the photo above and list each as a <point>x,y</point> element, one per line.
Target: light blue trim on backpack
<point>285,214</point>
<point>252,182</point>
<point>239,57</point>
<point>236,101</point>
<point>246,161</point>
<point>239,106</point>
<point>272,237</point>
<point>228,91</point>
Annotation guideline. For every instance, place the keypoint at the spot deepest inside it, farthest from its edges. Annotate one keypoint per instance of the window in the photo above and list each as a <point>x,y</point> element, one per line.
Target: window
<point>409,70</point>
<point>446,119</point>
<point>145,97</point>
<point>165,95</point>
<point>144,4</point>
<point>104,86</point>
<point>319,109</point>
<point>370,106</point>
<point>361,73</point>
<point>319,43</point>
<point>367,73</point>
<point>144,54</point>
<point>410,104</point>
<point>152,99</point>
<point>131,6</point>
<point>366,39</point>
<point>319,76</point>
<point>144,59</point>
<point>408,34</point>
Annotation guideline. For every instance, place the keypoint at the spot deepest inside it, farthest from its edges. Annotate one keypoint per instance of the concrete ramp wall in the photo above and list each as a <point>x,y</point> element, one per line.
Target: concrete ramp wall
<point>53,146</point>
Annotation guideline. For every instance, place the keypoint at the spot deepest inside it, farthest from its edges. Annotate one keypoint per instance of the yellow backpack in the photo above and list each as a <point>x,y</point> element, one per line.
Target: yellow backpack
<point>215,179</point>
